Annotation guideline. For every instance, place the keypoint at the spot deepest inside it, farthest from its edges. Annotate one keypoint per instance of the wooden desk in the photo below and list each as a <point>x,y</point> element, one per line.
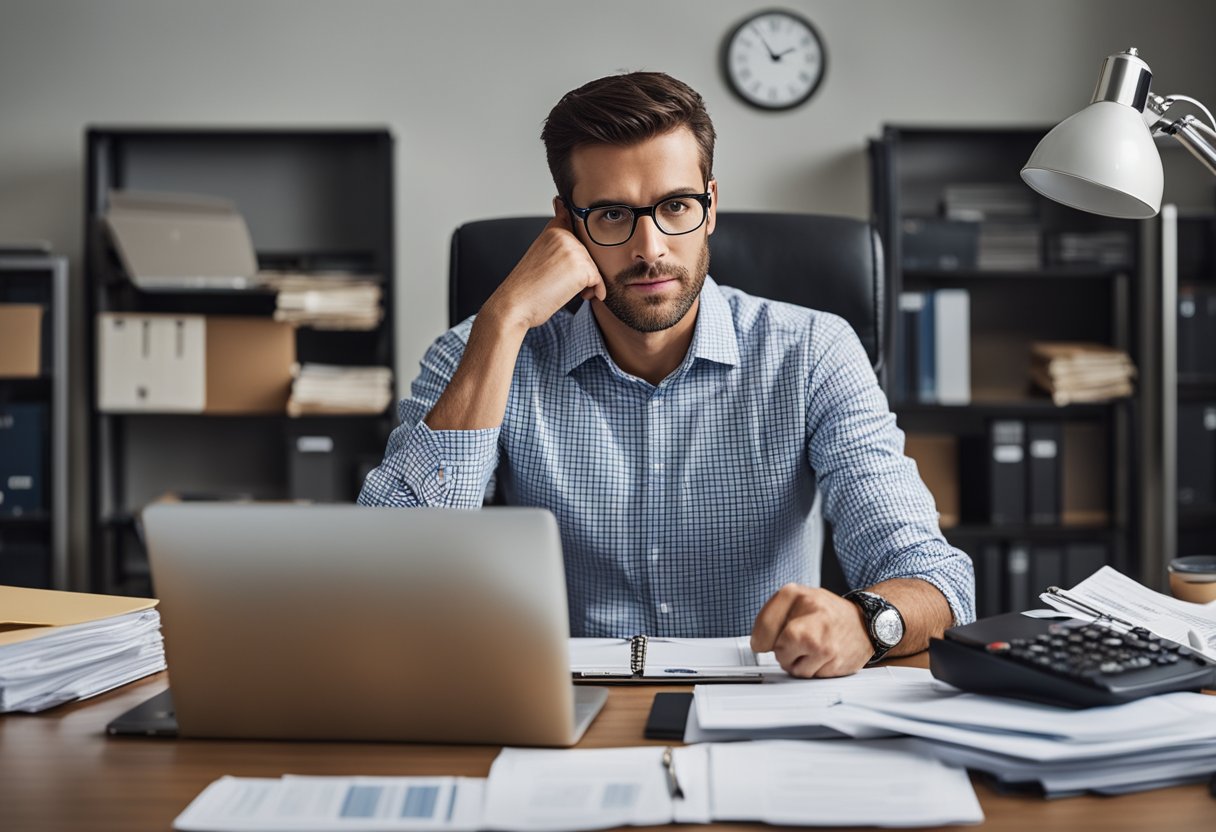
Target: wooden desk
<point>59,772</point>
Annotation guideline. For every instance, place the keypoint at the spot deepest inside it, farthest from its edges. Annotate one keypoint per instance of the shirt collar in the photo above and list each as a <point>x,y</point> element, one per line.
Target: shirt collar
<point>713,337</point>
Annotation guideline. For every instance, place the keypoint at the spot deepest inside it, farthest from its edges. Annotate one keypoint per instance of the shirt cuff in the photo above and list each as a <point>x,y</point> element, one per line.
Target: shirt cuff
<point>449,468</point>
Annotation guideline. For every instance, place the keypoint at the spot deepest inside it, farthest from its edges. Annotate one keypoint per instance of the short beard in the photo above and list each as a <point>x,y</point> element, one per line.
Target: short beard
<point>653,313</point>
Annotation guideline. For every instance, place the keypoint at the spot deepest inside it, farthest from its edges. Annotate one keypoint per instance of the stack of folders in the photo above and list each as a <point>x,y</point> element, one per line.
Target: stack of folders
<point>59,646</point>
<point>320,389</point>
<point>327,301</point>
<point>1081,372</point>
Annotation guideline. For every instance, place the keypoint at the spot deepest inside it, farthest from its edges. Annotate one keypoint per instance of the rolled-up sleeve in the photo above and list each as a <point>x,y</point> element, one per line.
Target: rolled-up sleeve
<point>424,467</point>
<point>884,519</point>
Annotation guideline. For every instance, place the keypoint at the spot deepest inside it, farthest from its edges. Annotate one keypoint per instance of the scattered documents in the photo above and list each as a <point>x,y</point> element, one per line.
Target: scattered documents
<point>539,790</point>
<point>654,659</point>
<point>795,708</point>
<point>1081,372</point>
<point>779,782</point>
<point>1112,593</point>
<point>321,804</point>
<point>320,389</point>
<point>327,301</point>
<point>56,647</point>
<point>1156,741</point>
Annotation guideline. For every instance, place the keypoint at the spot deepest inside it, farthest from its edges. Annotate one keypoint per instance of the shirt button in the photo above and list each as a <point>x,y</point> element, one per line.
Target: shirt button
<point>663,608</point>
<point>654,553</point>
<point>658,466</point>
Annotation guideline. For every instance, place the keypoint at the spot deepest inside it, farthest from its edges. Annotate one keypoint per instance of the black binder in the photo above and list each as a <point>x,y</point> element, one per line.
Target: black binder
<point>1043,464</point>
<point>1007,472</point>
<point>1197,455</point>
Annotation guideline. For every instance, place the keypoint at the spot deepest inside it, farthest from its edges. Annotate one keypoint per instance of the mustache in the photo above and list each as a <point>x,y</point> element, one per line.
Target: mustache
<point>639,271</point>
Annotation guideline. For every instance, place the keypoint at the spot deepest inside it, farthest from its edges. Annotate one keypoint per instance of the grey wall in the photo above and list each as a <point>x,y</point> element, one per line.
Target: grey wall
<point>465,85</point>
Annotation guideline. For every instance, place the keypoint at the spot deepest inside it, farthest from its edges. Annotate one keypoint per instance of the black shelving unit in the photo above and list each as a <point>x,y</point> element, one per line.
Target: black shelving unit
<point>1048,300</point>
<point>314,200</point>
<point>34,539</point>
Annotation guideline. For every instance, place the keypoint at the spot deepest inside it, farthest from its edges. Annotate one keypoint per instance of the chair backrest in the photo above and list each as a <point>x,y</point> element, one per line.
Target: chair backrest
<point>821,262</point>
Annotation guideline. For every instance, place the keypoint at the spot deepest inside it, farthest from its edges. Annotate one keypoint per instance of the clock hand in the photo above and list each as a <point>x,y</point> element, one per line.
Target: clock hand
<point>773,55</point>
<point>783,53</point>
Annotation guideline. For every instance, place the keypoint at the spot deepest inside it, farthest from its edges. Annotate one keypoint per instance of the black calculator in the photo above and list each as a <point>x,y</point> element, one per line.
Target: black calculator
<point>1073,663</point>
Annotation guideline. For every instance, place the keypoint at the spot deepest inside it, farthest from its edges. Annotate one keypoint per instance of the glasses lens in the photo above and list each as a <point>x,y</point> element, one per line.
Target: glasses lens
<point>679,216</point>
<point>610,226</point>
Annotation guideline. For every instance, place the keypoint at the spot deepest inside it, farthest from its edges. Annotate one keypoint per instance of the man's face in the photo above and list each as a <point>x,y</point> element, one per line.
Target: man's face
<point>655,278</point>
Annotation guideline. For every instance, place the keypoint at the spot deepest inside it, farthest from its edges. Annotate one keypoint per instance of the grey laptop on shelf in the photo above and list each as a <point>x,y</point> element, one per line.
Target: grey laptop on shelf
<point>353,623</point>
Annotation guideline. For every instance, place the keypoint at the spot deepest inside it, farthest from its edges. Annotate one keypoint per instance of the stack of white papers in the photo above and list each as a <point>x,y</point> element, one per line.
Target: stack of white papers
<point>533,790</point>
<point>324,388</point>
<point>327,301</point>
<point>1153,742</point>
<point>59,646</point>
<point>321,804</point>
<point>789,708</point>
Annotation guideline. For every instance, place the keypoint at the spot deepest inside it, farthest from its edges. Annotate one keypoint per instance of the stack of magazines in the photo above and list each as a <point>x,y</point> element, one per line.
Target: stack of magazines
<point>340,301</point>
<point>59,646</point>
<point>320,389</point>
<point>1081,372</point>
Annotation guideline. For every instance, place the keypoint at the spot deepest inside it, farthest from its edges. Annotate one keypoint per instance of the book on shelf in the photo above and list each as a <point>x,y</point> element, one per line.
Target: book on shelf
<point>933,360</point>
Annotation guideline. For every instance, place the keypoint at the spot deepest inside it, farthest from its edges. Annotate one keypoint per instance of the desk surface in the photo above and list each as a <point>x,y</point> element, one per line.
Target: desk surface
<point>60,772</point>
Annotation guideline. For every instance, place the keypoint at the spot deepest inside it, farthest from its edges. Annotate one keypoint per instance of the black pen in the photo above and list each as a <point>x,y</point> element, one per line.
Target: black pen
<point>669,763</point>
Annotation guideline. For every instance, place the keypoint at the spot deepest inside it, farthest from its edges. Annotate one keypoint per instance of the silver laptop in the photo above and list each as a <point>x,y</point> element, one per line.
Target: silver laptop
<point>353,623</point>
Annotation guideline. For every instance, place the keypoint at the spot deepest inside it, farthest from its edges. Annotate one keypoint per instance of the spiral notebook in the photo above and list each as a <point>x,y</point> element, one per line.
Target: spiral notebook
<point>656,660</point>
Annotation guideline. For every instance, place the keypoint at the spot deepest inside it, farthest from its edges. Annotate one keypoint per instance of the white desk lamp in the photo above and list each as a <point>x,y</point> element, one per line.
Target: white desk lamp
<point>1103,159</point>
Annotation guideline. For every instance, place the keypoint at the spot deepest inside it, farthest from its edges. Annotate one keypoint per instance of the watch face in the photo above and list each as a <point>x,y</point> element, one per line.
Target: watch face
<point>774,60</point>
<point>888,627</point>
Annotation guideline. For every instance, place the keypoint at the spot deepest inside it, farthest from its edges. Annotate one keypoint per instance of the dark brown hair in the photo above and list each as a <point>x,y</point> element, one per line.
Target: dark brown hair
<point>624,110</point>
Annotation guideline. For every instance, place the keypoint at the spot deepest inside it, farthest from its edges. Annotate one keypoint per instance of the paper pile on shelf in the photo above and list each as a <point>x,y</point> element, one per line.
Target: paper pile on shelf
<point>1150,743</point>
<point>320,389</point>
<point>56,647</point>
<point>327,301</point>
<point>1081,372</point>
<point>982,201</point>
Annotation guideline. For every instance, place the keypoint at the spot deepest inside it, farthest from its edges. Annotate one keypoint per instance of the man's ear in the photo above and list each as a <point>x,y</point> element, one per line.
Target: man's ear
<point>712,220</point>
<point>559,207</point>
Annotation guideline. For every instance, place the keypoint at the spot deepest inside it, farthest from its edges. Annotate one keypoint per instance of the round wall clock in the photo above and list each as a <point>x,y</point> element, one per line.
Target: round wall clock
<point>774,60</point>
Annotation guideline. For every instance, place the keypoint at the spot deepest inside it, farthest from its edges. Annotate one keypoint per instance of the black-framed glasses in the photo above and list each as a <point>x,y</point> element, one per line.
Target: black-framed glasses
<point>613,225</point>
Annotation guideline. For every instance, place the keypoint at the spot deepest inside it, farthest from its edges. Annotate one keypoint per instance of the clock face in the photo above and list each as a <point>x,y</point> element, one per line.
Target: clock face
<point>774,60</point>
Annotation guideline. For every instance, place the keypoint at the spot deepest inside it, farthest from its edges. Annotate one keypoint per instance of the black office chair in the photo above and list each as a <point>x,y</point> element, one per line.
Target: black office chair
<point>822,262</point>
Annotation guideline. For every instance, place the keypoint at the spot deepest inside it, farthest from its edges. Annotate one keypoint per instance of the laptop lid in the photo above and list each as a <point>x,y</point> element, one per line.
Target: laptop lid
<point>355,623</point>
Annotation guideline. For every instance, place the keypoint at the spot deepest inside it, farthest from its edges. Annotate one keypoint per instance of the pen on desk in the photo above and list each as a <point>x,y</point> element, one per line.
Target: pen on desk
<point>669,763</point>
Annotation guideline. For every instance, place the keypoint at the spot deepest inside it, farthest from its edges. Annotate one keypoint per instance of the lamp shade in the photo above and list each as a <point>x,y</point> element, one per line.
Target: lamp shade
<point>1102,160</point>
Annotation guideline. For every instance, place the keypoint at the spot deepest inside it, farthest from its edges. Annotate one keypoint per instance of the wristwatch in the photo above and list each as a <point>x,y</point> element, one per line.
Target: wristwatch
<point>884,624</point>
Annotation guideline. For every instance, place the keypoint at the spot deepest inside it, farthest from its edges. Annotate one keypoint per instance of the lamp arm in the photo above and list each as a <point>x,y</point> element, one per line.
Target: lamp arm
<point>1196,137</point>
<point>1189,131</point>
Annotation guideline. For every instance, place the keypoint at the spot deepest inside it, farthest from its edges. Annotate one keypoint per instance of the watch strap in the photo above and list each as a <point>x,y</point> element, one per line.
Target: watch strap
<point>871,604</point>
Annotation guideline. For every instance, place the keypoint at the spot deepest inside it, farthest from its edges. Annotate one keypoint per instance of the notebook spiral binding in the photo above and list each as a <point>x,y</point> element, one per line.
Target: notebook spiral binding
<point>637,655</point>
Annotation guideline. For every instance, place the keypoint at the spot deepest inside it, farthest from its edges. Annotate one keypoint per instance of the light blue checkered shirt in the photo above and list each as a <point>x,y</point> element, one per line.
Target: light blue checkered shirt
<point>684,506</point>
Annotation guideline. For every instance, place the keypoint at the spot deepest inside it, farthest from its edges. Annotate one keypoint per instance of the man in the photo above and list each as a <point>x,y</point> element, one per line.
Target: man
<point>682,432</point>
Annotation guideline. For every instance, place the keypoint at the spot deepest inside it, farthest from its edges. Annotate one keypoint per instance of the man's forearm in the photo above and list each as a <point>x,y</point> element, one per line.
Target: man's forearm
<point>476,398</point>
<point>924,608</point>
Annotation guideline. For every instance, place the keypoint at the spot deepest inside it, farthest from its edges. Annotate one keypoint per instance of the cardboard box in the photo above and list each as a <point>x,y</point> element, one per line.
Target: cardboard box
<point>163,363</point>
<point>181,241</point>
<point>20,340</point>
<point>936,458</point>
